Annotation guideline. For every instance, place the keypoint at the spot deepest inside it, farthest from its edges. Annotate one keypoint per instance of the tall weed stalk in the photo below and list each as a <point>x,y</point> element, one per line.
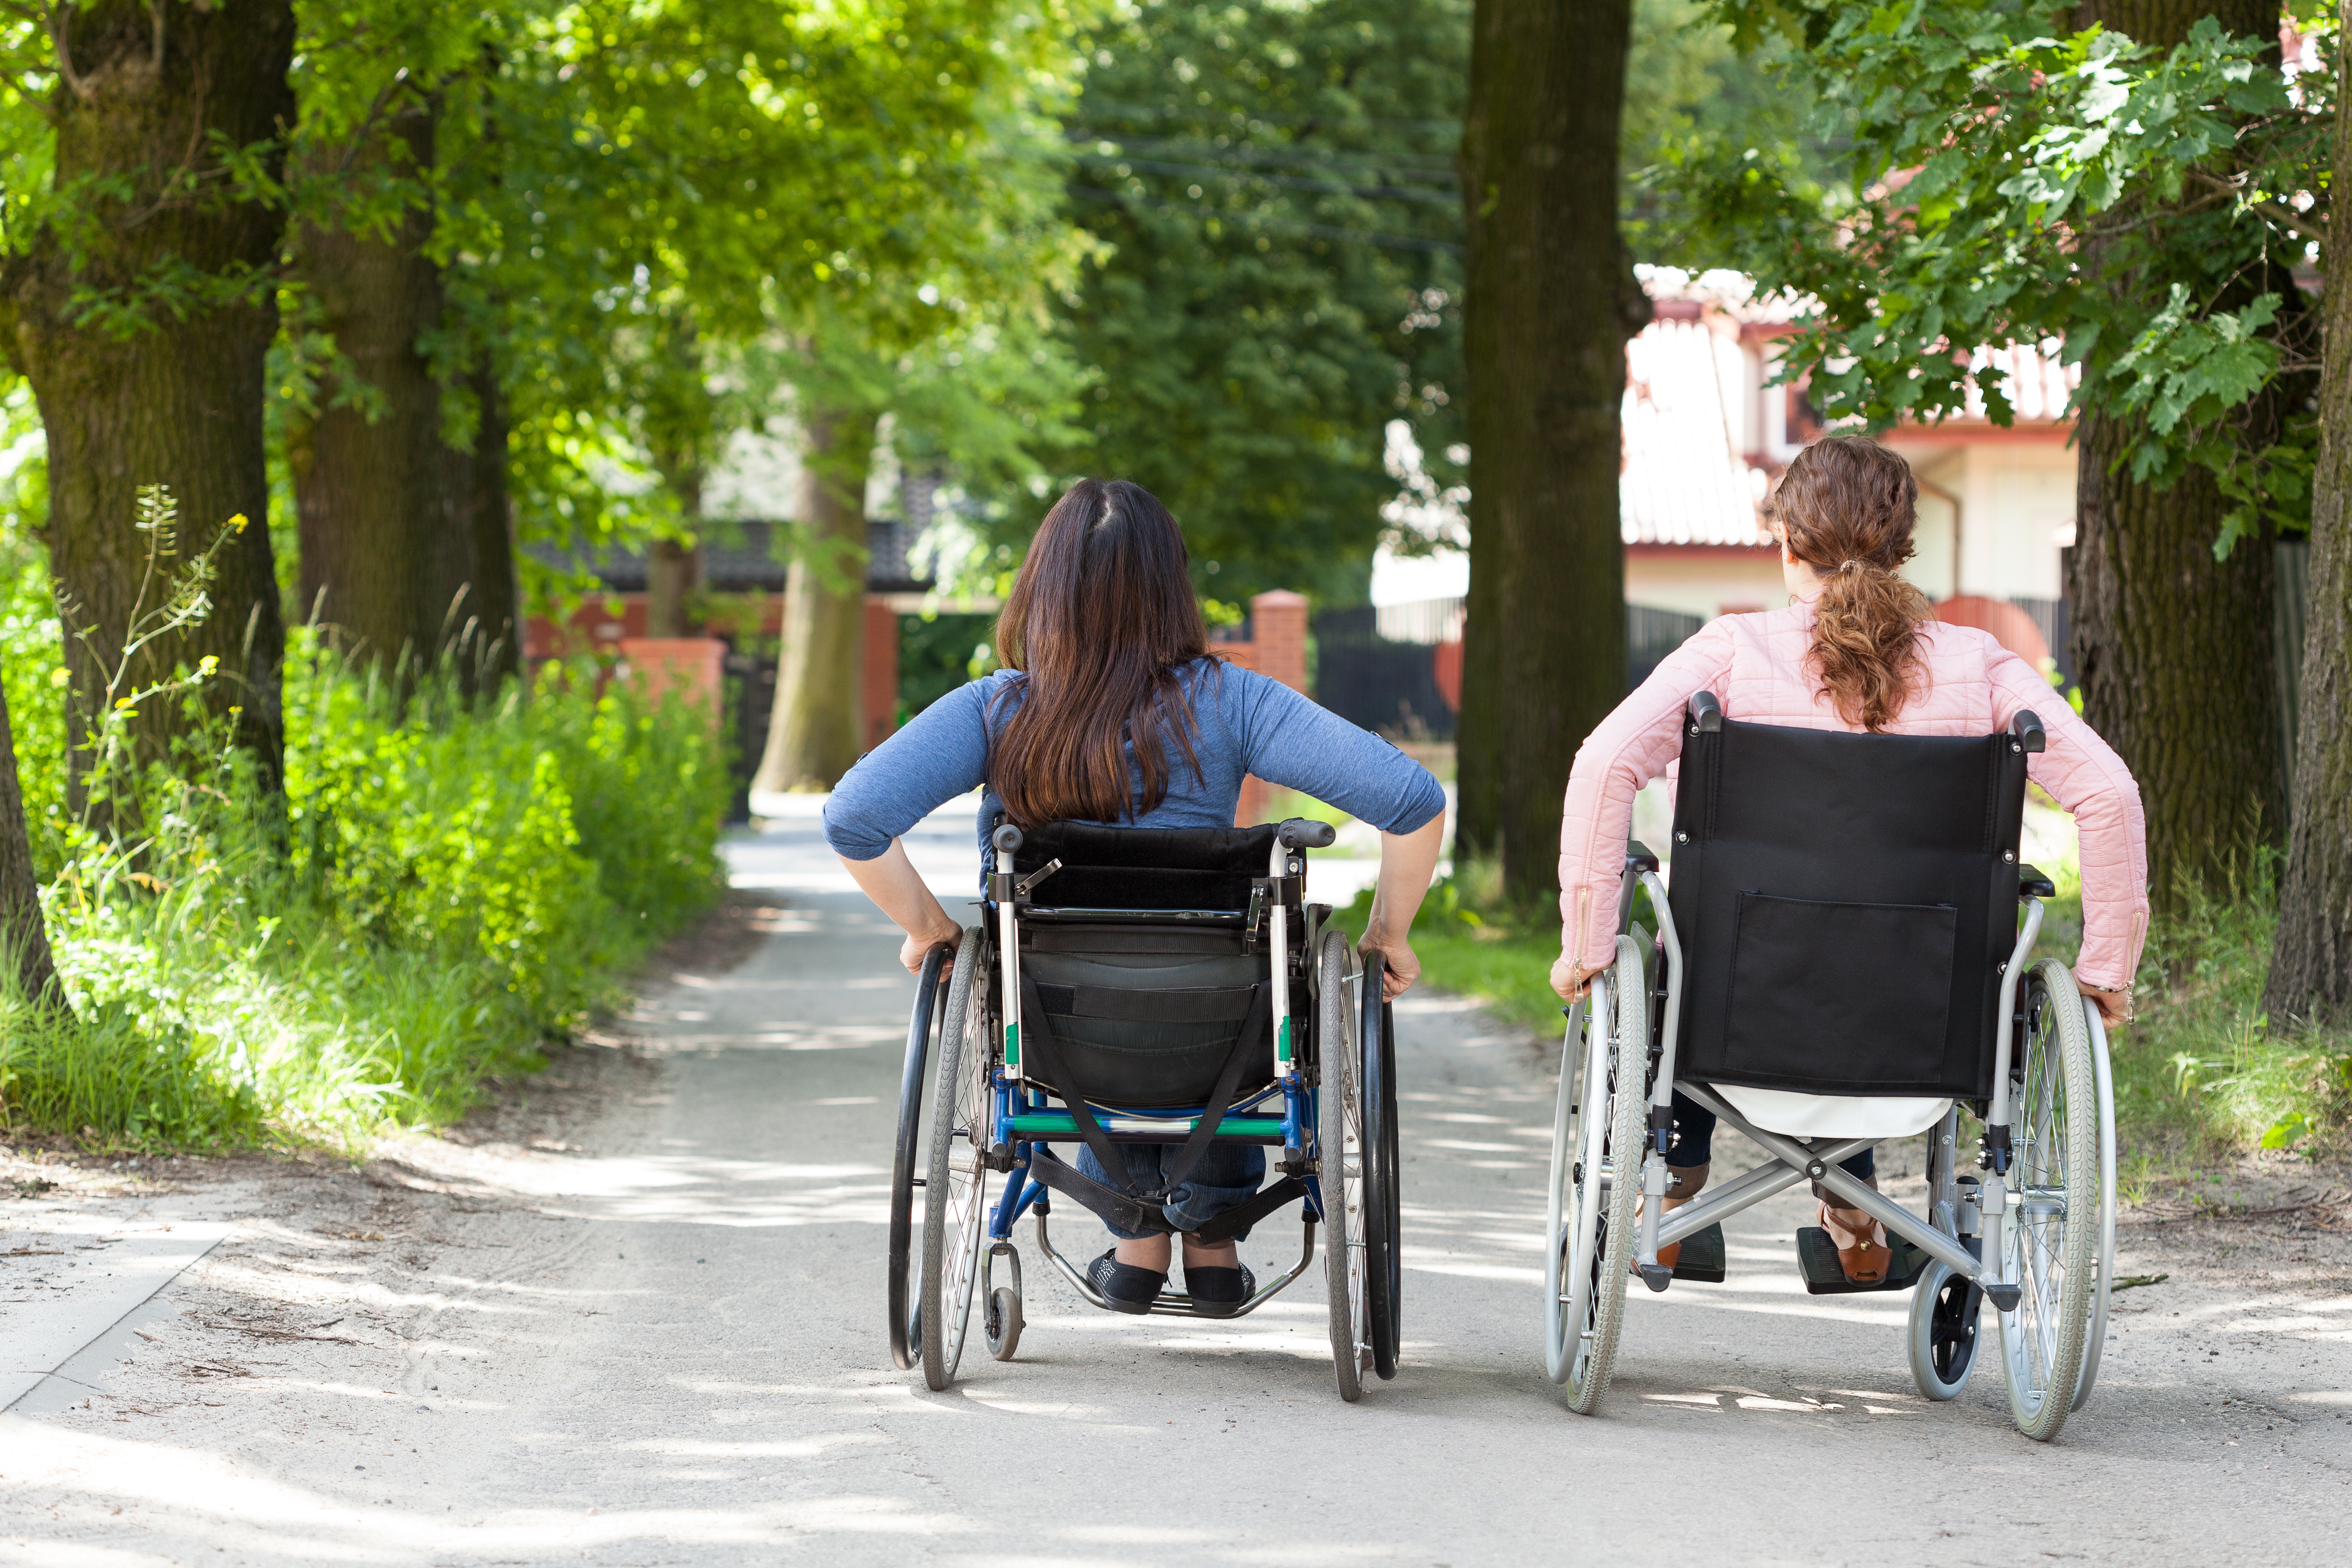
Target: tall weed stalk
<point>446,884</point>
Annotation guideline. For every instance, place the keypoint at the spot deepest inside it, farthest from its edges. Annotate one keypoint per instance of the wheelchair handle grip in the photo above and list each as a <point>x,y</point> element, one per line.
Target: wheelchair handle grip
<point>2025,725</point>
<point>1706,712</point>
<point>1007,838</point>
<point>1304,833</point>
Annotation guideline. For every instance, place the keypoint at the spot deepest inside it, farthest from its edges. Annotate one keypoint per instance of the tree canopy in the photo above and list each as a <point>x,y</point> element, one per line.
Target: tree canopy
<point>1273,191</point>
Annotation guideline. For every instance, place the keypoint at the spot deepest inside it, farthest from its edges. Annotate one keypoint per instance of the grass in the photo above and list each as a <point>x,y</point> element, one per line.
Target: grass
<point>446,886</point>
<point>2199,1074</point>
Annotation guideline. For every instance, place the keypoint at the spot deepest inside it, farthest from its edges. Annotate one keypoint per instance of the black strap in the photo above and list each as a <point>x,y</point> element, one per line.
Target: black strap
<point>1121,1211</point>
<point>1222,1097</point>
<point>1231,1222</point>
<point>1175,1004</point>
<point>1045,1055</point>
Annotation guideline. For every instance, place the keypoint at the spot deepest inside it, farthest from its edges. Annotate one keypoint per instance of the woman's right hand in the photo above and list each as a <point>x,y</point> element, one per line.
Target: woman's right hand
<point>1569,978</point>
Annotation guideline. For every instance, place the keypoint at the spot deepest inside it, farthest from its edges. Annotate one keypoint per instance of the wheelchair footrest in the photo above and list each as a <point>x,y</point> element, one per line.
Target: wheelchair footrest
<point>1701,1257</point>
<point>1817,1259</point>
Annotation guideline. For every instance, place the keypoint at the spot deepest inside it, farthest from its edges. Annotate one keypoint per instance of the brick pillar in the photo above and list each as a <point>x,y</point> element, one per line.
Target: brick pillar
<point>881,711</point>
<point>684,669</point>
<point>1277,650</point>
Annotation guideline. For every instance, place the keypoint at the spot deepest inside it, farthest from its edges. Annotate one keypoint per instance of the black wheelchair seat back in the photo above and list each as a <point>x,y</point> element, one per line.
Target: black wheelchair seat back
<point>1143,958</point>
<point>1845,903</point>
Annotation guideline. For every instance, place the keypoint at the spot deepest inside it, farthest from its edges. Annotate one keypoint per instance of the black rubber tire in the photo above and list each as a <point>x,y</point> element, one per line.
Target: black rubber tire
<point>1004,1322</point>
<point>1383,1217</point>
<point>930,1001</point>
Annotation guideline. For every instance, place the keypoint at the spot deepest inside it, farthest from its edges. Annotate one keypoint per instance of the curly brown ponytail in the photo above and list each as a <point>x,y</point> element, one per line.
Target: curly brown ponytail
<point>1846,508</point>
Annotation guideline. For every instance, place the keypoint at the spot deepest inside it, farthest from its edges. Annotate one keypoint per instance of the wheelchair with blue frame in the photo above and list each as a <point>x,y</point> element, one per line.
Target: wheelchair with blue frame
<point>1133,985</point>
<point>1842,958</point>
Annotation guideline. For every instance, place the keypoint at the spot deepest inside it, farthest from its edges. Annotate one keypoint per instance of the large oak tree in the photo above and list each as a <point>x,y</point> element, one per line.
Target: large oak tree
<point>136,298</point>
<point>1550,299</point>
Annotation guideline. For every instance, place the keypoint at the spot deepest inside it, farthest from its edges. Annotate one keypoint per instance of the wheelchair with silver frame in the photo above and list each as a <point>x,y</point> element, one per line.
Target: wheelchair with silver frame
<point>1129,985</point>
<point>1840,958</point>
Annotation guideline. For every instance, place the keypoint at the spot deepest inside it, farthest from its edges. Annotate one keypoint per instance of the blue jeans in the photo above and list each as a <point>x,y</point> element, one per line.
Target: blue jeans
<point>1227,1176</point>
<point>1695,1123</point>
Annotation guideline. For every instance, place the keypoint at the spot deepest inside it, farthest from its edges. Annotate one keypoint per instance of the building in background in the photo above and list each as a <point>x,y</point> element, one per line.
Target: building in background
<point>1706,437</point>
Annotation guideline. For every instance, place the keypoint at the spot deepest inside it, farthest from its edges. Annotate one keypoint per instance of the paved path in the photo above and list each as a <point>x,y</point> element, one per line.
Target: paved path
<point>674,1353</point>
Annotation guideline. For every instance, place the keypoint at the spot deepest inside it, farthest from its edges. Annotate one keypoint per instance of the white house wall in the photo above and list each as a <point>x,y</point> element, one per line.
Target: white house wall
<point>2016,498</point>
<point>1706,582</point>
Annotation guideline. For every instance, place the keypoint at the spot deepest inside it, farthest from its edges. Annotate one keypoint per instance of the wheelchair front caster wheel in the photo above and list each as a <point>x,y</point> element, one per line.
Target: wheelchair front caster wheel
<point>1004,1322</point>
<point>1943,1337</point>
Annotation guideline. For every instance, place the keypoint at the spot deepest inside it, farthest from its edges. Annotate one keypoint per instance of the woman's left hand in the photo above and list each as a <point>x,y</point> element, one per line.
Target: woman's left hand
<point>1400,967</point>
<point>919,944</point>
<point>1569,978</point>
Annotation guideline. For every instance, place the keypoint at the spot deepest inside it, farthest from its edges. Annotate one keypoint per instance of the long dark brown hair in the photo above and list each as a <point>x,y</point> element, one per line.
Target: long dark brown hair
<point>1101,618</point>
<point>1847,508</point>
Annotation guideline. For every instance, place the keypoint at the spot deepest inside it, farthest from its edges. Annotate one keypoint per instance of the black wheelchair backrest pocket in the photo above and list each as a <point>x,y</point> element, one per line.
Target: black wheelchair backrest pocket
<point>1861,991</point>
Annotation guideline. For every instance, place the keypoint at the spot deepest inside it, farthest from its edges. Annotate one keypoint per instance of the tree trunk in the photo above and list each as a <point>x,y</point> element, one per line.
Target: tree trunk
<point>672,571</point>
<point>386,546</point>
<point>24,936</point>
<point>674,568</point>
<point>2173,648</point>
<point>2311,961</point>
<point>492,647</point>
<point>1547,301</point>
<point>816,733</point>
<point>173,397</point>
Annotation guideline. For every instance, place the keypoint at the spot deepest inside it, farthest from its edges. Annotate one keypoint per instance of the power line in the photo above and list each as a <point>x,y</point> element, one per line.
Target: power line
<point>1292,157</point>
<point>1226,176</point>
<point>1292,226</point>
<point>1163,112</point>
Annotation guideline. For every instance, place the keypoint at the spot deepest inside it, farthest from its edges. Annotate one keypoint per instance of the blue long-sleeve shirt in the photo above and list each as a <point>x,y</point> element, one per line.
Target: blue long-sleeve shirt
<point>1244,724</point>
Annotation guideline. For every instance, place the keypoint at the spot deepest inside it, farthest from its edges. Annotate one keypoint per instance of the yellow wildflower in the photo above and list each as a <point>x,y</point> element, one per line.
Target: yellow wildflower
<point>60,675</point>
<point>238,523</point>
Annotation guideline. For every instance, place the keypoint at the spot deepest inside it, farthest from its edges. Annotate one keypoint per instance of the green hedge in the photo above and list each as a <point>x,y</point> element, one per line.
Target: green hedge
<point>451,884</point>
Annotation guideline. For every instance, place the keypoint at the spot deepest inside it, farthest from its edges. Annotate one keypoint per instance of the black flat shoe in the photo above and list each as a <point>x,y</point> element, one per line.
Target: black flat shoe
<point>1123,1287</point>
<point>1219,1292</point>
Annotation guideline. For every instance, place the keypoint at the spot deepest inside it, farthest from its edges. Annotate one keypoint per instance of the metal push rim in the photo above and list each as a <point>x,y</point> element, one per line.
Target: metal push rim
<point>955,1193</point>
<point>1339,1119</point>
<point>931,1004</point>
<point>2051,1232</point>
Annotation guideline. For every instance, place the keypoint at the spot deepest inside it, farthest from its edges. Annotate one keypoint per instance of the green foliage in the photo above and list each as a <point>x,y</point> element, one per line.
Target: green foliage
<point>2204,1062</point>
<point>939,652</point>
<point>1272,188</point>
<point>1687,81</point>
<point>1991,152</point>
<point>449,886</point>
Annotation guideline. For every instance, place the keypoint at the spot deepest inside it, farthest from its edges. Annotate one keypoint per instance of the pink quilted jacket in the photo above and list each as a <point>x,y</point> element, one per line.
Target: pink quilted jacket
<point>1755,664</point>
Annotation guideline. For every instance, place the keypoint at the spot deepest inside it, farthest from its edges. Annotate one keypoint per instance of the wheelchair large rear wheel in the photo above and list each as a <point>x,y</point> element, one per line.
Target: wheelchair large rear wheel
<point>930,1007</point>
<point>1344,1168</point>
<point>1596,1178</point>
<point>955,1190</point>
<point>2051,1232</point>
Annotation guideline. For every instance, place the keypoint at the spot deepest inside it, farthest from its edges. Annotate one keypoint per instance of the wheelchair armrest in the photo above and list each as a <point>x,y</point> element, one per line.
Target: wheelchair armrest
<point>2025,725</point>
<point>1638,858</point>
<point>1306,833</point>
<point>2032,884</point>
<point>1706,712</point>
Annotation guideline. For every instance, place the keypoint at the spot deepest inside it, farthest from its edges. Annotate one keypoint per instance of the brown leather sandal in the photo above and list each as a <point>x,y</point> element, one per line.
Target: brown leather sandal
<point>1862,1252</point>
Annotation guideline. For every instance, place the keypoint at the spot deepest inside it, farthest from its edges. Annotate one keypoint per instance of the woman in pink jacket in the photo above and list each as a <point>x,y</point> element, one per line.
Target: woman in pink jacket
<point>1857,649</point>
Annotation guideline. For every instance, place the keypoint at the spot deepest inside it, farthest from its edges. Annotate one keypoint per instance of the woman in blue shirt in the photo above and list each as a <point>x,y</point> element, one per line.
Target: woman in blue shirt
<point>1112,710</point>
